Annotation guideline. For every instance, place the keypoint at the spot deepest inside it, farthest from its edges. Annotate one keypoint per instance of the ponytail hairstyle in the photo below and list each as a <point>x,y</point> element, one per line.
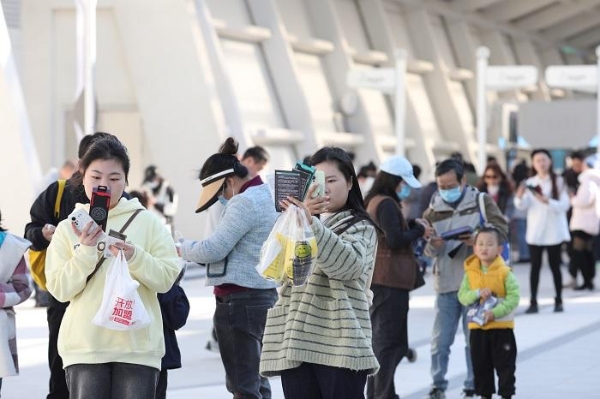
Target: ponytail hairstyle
<point>553,177</point>
<point>223,160</point>
<point>215,171</point>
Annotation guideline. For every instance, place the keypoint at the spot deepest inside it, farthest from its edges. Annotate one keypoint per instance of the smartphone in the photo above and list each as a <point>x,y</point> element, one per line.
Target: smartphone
<point>455,234</point>
<point>536,189</point>
<point>319,179</point>
<point>99,205</point>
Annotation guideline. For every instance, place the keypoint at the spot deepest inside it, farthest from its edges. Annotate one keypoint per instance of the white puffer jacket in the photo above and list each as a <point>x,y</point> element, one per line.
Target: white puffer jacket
<point>585,216</point>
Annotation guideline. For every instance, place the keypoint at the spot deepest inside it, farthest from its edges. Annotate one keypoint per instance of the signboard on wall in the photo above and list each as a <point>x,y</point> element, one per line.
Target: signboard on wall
<point>565,124</point>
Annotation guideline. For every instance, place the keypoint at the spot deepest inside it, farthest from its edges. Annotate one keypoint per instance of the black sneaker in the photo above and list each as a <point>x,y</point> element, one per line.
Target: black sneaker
<point>558,308</point>
<point>436,393</point>
<point>533,308</point>
<point>468,393</point>
<point>411,355</point>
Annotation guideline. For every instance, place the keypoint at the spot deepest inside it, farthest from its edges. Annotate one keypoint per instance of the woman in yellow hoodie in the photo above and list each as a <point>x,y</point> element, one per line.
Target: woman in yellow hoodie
<point>99,362</point>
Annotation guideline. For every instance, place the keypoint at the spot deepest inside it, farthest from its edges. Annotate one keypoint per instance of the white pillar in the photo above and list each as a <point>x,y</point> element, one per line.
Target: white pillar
<point>90,67</point>
<point>483,54</point>
<point>598,98</point>
<point>400,103</point>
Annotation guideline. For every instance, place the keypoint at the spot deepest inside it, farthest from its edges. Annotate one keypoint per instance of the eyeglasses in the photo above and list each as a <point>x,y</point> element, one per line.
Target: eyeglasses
<point>490,176</point>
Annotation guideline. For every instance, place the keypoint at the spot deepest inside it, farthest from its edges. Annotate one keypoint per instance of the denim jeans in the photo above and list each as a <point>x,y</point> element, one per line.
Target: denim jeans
<point>518,231</point>
<point>111,381</point>
<point>448,313</point>
<point>239,321</point>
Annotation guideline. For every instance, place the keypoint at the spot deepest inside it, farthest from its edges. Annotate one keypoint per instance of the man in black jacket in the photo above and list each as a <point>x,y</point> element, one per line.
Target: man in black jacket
<point>40,231</point>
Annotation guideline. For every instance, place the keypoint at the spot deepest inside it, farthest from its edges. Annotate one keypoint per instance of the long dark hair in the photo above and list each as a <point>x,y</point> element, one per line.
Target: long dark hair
<point>550,171</point>
<point>342,159</point>
<point>384,184</point>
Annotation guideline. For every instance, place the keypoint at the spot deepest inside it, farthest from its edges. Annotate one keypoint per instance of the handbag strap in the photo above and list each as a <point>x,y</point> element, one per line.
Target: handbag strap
<point>101,260</point>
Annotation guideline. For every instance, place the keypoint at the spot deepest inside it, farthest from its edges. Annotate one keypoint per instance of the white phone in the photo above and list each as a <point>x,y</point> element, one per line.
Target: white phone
<point>81,218</point>
<point>319,180</point>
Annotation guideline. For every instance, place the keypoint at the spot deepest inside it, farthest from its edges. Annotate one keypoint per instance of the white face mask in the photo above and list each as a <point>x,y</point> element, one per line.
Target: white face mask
<point>493,189</point>
<point>152,184</point>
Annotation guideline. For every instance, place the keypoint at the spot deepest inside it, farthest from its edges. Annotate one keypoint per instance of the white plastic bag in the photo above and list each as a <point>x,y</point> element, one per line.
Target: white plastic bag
<point>290,250</point>
<point>122,307</point>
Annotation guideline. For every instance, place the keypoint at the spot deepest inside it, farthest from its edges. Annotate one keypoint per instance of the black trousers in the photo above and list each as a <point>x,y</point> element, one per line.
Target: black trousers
<point>58,383</point>
<point>536,265</point>
<point>389,319</point>
<point>582,256</point>
<point>161,385</point>
<point>315,381</point>
<point>494,350</point>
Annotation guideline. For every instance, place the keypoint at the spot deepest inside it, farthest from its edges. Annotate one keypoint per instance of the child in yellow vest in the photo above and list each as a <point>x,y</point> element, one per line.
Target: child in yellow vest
<point>493,345</point>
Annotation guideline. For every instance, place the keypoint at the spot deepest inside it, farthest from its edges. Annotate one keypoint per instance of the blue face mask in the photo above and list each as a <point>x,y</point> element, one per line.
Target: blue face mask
<point>452,195</point>
<point>222,200</point>
<point>404,192</point>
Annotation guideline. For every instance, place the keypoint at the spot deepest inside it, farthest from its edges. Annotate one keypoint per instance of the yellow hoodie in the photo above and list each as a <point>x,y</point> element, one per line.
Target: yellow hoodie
<point>154,265</point>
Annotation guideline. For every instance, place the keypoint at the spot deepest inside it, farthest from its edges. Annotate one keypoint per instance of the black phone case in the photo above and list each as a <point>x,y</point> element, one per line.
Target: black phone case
<point>99,205</point>
<point>455,233</point>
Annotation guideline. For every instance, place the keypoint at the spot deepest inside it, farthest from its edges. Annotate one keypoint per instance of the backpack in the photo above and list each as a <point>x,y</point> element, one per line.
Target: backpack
<point>37,259</point>
<point>483,220</point>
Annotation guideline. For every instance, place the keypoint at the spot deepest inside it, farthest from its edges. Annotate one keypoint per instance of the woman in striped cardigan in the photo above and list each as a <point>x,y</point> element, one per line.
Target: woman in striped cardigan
<point>318,336</point>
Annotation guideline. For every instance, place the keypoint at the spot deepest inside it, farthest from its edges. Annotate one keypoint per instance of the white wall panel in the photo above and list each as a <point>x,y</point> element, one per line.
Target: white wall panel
<point>317,92</point>
<point>422,106</point>
<point>252,85</point>
<point>233,12</point>
<point>353,27</point>
<point>295,18</point>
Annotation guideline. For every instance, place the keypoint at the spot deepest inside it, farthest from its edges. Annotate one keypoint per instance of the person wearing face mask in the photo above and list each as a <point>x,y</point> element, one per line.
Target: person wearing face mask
<point>496,184</point>
<point>395,272</point>
<point>231,253</point>
<point>454,205</point>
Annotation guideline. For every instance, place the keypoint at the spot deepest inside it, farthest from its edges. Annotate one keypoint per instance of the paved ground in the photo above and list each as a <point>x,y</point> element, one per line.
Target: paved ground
<point>559,354</point>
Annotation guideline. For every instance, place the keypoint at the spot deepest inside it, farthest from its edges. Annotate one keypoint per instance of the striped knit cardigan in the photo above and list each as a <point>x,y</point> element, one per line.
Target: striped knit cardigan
<point>327,320</point>
<point>13,290</point>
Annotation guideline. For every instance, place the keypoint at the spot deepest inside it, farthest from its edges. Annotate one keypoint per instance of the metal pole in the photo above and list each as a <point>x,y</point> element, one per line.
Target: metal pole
<point>598,98</point>
<point>90,66</point>
<point>400,101</point>
<point>483,53</point>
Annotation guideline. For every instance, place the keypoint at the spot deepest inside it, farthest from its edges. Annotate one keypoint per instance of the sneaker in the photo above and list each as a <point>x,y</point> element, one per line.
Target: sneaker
<point>558,308</point>
<point>212,345</point>
<point>468,393</point>
<point>411,355</point>
<point>436,393</point>
<point>533,308</point>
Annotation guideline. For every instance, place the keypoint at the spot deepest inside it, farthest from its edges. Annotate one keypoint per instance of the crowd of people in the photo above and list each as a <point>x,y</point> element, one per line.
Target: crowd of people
<point>341,334</point>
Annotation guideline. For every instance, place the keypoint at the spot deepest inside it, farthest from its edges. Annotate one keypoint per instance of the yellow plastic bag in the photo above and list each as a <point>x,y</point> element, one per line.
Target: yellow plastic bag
<point>290,250</point>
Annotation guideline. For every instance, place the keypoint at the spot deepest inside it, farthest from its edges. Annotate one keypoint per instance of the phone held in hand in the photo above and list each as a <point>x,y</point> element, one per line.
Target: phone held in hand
<point>99,205</point>
<point>456,234</point>
<point>535,189</point>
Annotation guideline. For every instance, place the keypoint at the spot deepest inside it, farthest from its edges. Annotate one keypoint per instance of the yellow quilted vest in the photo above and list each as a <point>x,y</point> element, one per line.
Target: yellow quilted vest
<point>494,280</point>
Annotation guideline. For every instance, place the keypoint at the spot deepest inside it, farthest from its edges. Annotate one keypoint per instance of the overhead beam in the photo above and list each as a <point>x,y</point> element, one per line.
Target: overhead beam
<point>473,5</point>
<point>513,9</point>
<point>587,39</point>
<point>573,26</point>
<point>436,7</point>
<point>555,14</point>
